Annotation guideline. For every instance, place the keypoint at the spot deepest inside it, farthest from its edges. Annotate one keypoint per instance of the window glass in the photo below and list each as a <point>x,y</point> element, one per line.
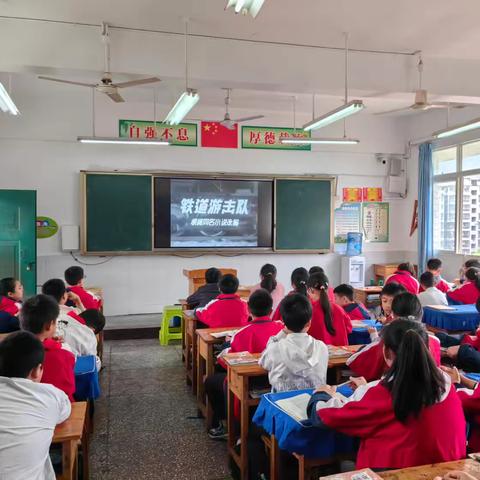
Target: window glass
<point>445,161</point>
<point>444,212</point>
<point>471,156</point>
<point>470,224</point>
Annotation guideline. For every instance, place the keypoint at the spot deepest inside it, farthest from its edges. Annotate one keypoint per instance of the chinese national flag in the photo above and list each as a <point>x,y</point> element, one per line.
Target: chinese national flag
<point>218,136</point>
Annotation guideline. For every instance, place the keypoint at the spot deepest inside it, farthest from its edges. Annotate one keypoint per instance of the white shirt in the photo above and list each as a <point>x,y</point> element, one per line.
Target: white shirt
<point>432,296</point>
<point>29,412</point>
<point>295,361</point>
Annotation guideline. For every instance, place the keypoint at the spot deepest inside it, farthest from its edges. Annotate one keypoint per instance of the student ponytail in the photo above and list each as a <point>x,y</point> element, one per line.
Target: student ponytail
<point>473,274</point>
<point>414,381</point>
<point>299,280</point>
<point>268,273</point>
<point>319,281</point>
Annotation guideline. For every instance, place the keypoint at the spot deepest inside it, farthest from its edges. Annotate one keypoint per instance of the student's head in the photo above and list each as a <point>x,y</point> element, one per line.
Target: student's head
<point>55,287</point>
<point>413,378</point>
<point>406,267</point>
<point>94,319</point>
<point>39,316</point>
<point>268,276</point>
<point>473,275</point>
<point>343,294</point>
<point>427,280</point>
<point>212,275</point>
<point>407,305</point>
<point>389,292</point>
<point>299,280</point>
<point>434,266</point>
<point>317,290</point>
<point>228,284</point>
<point>316,269</point>
<point>74,275</point>
<point>473,262</point>
<point>21,356</point>
<point>296,312</point>
<point>12,288</point>
<point>260,303</point>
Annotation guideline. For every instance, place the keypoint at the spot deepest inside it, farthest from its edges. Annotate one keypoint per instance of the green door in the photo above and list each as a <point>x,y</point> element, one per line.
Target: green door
<point>18,242</point>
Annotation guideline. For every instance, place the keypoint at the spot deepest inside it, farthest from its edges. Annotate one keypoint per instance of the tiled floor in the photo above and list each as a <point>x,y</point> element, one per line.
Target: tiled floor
<point>132,321</point>
<point>143,424</point>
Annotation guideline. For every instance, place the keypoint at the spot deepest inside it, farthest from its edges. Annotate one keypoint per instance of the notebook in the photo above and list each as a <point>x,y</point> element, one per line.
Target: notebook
<point>365,474</point>
<point>226,333</point>
<point>295,407</point>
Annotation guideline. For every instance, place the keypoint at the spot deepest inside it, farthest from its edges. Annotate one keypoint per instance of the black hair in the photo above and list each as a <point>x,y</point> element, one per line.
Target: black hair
<point>316,269</point>
<point>296,311</point>
<point>427,279</point>
<point>406,267</point>
<point>269,277</point>
<point>260,303</point>
<point>414,381</point>
<point>392,289</point>
<point>73,275</point>
<point>473,262</point>
<point>38,312</point>
<point>344,290</point>
<point>319,281</point>
<point>54,287</point>
<point>94,319</point>
<point>228,284</point>
<point>212,275</point>
<point>299,279</point>
<point>407,305</point>
<point>20,353</point>
<point>434,264</point>
<point>7,285</point>
<point>473,274</point>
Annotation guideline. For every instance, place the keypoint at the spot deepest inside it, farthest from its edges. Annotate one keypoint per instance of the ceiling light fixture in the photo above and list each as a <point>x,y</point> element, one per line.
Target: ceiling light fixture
<point>320,141</point>
<point>246,7</point>
<point>466,127</point>
<point>7,105</point>
<point>122,141</point>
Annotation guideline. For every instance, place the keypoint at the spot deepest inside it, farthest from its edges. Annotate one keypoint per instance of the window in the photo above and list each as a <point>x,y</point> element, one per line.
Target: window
<point>456,196</point>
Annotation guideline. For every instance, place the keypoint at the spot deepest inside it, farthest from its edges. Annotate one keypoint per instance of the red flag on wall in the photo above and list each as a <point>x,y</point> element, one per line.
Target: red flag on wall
<point>218,136</point>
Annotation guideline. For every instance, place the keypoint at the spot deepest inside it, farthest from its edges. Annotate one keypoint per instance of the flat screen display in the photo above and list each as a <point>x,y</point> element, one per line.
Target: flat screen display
<point>208,213</point>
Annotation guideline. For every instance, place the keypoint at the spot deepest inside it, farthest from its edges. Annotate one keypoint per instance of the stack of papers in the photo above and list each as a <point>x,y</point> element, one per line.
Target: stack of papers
<point>440,307</point>
<point>295,407</point>
<point>226,333</point>
<point>240,358</point>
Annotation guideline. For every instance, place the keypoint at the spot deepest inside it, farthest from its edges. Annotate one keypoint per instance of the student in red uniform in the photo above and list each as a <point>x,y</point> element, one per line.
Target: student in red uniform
<point>74,277</point>
<point>11,295</point>
<point>330,323</point>
<point>39,316</point>
<point>434,266</point>
<point>253,338</point>
<point>206,293</point>
<point>469,292</point>
<point>317,269</point>
<point>369,361</point>
<point>298,280</point>
<point>228,309</point>
<point>412,416</point>
<point>389,292</point>
<point>405,276</point>
<point>344,297</point>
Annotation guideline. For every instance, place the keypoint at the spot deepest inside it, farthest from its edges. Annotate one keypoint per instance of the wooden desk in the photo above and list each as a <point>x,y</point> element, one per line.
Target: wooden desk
<point>196,278</point>
<point>361,295</point>
<point>69,434</point>
<point>189,325</point>
<point>428,472</point>
<point>244,292</point>
<point>383,270</point>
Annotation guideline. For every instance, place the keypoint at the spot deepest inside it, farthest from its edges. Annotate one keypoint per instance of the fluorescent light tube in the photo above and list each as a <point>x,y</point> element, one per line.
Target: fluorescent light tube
<point>246,6</point>
<point>184,104</point>
<point>319,141</point>
<point>6,102</point>
<point>339,113</point>
<point>122,141</point>
<point>449,132</point>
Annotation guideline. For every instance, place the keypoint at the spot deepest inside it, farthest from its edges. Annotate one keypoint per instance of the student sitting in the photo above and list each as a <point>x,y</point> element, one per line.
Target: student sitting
<point>369,361</point>
<point>208,292</point>
<point>74,277</point>
<point>412,416</point>
<point>39,316</point>
<point>93,319</point>
<point>344,297</point>
<point>253,338</point>
<point>384,314</point>
<point>11,295</point>
<point>268,277</point>
<point>469,292</point>
<point>405,276</point>
<point>317,269</point>
<point>74,331</point>
<point>330,323</point>
<point>228,309</point>
<point>293,359</point>
<point>472,263</point>
<point>430,294</point>
<point>8,323</point>
<point>29,411</point>
<point>434,266</point>
<point>298,280</point>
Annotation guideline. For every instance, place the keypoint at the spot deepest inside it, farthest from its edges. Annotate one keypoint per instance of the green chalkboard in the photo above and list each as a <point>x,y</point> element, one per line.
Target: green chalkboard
<point>118,211</point>
<point>303,214</point>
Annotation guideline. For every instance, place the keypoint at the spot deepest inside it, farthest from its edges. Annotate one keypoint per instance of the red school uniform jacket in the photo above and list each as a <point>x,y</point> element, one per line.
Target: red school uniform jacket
<point>88,299</point>
<point>441,284</point>
<point>10,306</point>
<point>76,317</point>
<point>370,364</point>
<point>471,406</point>
<point>58,367</point>
<point>467,294</point>
<point>254,337</point>
<point>340,320</point>
<point>406,279</point>
<point>357,311</point>
<point>227,310</point>
<point>436,435</point>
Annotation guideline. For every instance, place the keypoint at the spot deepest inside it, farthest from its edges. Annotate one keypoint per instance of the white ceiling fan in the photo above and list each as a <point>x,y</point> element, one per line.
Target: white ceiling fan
<point>106,84</point>
<point>421,98</point>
